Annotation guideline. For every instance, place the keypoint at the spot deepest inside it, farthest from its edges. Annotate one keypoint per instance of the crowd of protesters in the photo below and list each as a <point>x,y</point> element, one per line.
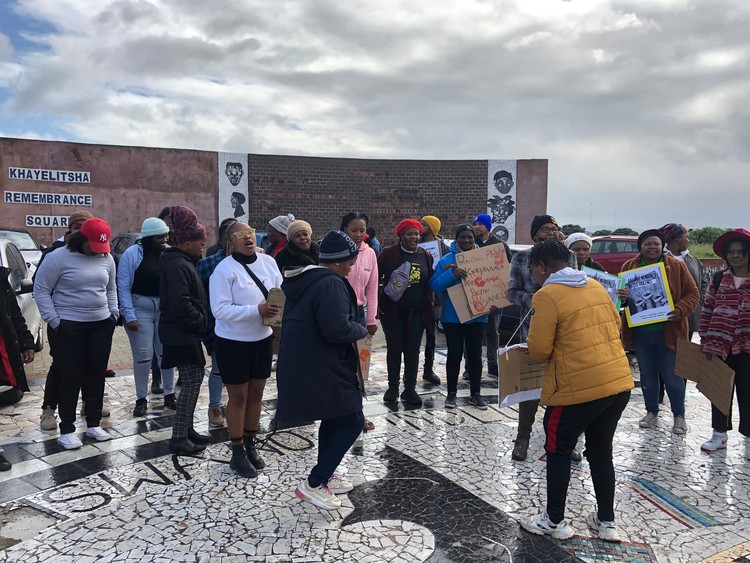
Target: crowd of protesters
<point>174,303</point>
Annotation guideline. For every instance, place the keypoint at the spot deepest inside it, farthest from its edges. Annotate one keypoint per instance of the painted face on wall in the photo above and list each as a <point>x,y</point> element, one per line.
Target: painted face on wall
<point>503,181</point>
<point>234,172</point>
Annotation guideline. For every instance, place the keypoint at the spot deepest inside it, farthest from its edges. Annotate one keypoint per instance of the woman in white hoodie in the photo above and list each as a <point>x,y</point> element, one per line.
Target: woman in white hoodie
<point>238,290</point>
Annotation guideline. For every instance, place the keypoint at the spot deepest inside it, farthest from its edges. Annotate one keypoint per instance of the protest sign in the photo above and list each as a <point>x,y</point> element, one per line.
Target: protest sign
<point>488,275</point>
<point>275,295</point>
<point>364,354</point>
<point>714,378</point>
<point>650,300</point>
<point>433,248</point>
<point>521,376</point>
<point>610,283</point>
<point>457,295</point>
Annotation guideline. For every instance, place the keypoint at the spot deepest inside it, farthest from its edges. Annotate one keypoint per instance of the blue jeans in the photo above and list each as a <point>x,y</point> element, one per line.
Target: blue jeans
<point>215,385</point>
<point>362,315</point>
<point>335,437</point>
<point>145,343</point>
<point>654,359</point>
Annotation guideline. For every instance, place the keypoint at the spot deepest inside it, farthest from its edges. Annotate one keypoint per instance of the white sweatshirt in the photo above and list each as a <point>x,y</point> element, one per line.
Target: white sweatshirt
<point>235,298</point>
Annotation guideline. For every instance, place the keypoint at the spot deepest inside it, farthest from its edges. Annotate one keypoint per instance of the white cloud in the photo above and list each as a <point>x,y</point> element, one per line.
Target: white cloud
<point>645,98</point>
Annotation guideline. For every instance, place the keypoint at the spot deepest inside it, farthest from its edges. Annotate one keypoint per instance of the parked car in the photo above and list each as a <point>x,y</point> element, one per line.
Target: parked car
<point>613,251</point>
<point>121,243</point>
<point>24,242</point>
<point>20,278</point>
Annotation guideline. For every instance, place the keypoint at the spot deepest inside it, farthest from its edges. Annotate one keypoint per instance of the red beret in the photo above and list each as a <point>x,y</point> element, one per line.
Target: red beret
<point>407,224</point>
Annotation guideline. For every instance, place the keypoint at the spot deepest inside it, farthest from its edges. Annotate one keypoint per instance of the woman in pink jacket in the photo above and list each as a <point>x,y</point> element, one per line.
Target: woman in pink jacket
<point>364,276</point>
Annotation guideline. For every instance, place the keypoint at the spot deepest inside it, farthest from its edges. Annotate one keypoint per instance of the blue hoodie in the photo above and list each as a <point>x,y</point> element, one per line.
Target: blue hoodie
<point>442,279</point>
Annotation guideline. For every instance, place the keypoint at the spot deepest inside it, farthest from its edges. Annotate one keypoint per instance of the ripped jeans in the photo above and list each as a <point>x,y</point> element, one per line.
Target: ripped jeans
<point>144,343</point>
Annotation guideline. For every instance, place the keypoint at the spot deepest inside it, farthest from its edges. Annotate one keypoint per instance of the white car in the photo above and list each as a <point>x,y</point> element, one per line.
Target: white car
<point>21,281</point>
<point>24,242</point>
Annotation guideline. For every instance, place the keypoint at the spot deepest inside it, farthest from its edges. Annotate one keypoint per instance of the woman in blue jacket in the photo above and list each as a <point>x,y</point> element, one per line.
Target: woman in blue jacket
<point>458,335</point>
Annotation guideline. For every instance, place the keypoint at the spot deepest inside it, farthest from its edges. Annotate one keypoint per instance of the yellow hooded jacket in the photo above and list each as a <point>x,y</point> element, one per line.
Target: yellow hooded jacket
<point>576,327</point>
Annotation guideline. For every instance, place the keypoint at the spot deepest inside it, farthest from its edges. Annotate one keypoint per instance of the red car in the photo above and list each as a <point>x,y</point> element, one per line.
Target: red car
<point>613,251</point>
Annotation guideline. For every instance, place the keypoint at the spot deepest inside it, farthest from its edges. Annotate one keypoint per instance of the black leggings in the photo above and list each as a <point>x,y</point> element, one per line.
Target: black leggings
<point>460,337</point>
<point>403,336</point>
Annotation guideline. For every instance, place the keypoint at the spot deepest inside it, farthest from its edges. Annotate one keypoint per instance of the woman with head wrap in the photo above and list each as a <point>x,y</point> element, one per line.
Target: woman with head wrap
<point>138,290</point>
<point>299,250</point>
<point>656,344</point>
<point>580,245</point>
<point>457,335</point>
<point>183,321</point>
<point>407,268</point>
<point>317,369</point>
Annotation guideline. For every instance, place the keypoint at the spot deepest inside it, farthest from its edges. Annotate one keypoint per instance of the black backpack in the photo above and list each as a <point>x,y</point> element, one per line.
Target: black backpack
<point>717,279</point>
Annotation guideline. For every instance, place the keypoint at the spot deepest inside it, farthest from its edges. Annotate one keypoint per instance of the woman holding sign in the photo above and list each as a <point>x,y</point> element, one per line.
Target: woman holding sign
<point>458,335</point>
<point>584,392</point>
<point>238,290</point>
<point>725,331</point>
<point>656,344</point>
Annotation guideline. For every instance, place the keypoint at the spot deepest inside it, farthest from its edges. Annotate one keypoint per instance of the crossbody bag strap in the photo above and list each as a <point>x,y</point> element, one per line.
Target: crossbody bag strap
<point>256,280</point>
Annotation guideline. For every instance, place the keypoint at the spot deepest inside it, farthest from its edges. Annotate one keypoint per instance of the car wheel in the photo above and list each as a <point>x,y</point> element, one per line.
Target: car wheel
<point>39,342</point>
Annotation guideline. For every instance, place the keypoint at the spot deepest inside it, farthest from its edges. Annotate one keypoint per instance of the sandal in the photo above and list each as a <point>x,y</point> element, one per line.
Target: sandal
<point>369,425</point>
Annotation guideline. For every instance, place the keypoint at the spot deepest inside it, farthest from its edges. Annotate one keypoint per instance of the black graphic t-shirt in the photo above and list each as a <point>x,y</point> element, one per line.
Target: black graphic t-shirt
<point>416,292</point>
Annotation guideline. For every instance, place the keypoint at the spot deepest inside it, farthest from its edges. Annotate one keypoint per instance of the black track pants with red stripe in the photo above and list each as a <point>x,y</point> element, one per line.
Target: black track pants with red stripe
<point>563,424</point>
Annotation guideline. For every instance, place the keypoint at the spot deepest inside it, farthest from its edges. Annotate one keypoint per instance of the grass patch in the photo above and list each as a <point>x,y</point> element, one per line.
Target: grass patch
<point>702,250</point>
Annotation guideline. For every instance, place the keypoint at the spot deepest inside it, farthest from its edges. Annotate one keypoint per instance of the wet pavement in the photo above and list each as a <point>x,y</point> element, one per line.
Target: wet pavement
<point>430,485</point>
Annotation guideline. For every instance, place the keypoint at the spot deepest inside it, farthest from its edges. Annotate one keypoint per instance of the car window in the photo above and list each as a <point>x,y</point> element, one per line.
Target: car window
<point>623,246</point>
<point>599,247</point>
<point>17,266</point>
<point>23,241</point>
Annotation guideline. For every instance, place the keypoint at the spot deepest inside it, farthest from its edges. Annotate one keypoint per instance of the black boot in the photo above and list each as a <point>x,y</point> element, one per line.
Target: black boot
<point>240,464</point>
<point>183,446</point>
<point>140,407</point>
<point>252,453</point>
<point>156,386</point>
<point>411,397</point>
<point>195,438</point>
<point>391,396</point>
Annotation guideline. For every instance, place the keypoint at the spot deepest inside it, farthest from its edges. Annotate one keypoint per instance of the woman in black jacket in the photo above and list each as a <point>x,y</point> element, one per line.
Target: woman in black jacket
<point>16,343</point>
<point>182,306</point>
<point>317,369</point>
<point>300,250</point>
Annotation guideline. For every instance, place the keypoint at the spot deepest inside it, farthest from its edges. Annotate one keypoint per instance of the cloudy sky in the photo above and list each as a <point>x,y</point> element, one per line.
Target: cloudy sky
<point>641,106</point>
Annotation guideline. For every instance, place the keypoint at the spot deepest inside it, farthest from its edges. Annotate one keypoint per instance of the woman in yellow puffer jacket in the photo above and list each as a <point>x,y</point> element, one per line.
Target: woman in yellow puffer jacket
<point>576,328</point>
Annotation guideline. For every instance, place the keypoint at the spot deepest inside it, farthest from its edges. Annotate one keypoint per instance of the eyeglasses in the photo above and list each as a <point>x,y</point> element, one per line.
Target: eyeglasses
<point>243,234</point>
<point>549,230</point>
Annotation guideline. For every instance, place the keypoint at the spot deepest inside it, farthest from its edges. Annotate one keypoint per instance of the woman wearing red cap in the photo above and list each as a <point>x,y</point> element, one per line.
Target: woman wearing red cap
<point>725,331</point>
<point>405,307</point>
<point>77,297</point>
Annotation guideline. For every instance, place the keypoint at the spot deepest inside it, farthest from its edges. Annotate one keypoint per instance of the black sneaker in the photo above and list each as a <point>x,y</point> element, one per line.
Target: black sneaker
<point>391,396</point>
<point>170,403</point>
<point>140,407</point>
<point>411,397</point>
<point>430,377</point>
<point>109,373</point>
<point>466,375</point>
<point>478,401</point>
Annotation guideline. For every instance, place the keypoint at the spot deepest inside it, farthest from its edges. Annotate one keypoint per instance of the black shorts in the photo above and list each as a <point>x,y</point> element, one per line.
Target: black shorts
<point>239,362</point>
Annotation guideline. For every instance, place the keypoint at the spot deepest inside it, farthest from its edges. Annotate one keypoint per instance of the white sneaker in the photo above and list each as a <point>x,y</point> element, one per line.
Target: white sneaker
<point>541,525</point>
<point>321,496</point>
<point>98,434</point>
<point>648,421</point>
<point>338,485</point>
<point>70,441</point>
<point>48,420</point>
<point>718,441</point>
<point>606,531</point>
<point>679,426</point>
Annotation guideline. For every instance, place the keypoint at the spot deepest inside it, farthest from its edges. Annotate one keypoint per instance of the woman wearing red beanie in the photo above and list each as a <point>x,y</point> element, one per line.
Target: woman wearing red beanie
<point>404,307</point>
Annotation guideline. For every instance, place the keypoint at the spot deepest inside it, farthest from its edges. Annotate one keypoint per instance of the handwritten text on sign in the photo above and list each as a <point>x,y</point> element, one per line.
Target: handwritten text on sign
<point>488,274</point>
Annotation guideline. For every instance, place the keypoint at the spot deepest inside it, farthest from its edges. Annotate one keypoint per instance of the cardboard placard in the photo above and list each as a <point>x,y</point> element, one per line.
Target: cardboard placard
<point>364,353</point>
<point>457,295</point>
<point>714,378</point>
<point>488,276</point>
<point>275,295</point>
<point>521,377</point>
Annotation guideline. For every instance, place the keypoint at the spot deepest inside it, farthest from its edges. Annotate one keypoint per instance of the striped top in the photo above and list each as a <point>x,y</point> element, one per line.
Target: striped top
<point>725,319</point>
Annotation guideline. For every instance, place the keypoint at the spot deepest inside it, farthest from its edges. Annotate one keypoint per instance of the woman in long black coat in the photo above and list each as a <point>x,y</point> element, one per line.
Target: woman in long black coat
<point>317,367</point>
<point>16,343</point>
